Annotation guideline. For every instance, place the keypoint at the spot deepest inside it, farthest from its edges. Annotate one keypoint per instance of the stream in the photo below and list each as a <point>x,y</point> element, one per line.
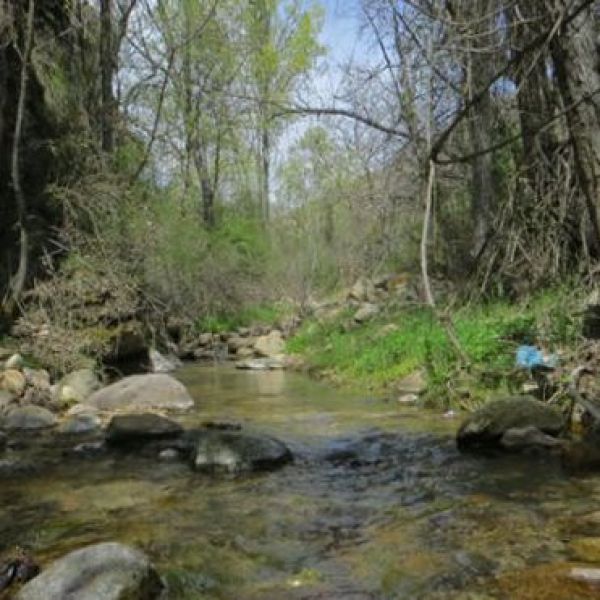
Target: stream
<point>378,504</point>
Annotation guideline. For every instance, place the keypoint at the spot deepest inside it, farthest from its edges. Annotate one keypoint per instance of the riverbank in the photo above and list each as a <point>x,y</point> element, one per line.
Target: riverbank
<point>404,348</point>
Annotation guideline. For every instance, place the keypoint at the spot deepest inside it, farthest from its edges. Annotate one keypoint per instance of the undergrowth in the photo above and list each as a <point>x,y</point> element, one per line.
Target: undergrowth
<point>257,314</point>
<point>375,355</point>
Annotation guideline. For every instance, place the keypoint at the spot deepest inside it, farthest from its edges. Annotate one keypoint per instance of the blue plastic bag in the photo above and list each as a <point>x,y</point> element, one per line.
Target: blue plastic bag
<point>529,357</point>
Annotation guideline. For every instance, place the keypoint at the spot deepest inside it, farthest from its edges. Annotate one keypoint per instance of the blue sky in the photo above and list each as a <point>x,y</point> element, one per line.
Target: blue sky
<point>340,28</point>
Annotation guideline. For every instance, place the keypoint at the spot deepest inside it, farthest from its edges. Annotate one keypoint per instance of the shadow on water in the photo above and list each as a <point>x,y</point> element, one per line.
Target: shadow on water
<point>378,504</point>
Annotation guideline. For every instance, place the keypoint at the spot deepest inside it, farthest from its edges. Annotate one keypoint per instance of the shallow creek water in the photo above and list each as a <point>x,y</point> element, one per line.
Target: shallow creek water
<point>378,504</point>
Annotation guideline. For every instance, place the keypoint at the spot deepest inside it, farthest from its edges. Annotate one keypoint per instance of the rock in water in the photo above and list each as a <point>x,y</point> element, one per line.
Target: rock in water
<point>140,393</point>
<point>80,424</point>
<point>528,438</point>
<point>260,364</point>
<point>160,363</point>
<point>108,571</point>
<point>235,452</point>
<point>29,417</point>
<point>128,429</point>
<point>485,427</point>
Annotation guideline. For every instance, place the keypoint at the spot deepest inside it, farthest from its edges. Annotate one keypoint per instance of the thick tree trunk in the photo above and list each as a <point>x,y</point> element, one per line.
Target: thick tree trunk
<point>535,94</point>
<point>480,69</point>
<point>575,58</point>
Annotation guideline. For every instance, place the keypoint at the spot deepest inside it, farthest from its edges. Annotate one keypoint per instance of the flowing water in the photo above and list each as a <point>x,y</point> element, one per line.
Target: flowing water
<point>378,504</point>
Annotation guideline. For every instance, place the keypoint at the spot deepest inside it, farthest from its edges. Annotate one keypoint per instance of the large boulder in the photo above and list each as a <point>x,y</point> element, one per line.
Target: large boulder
<point>235,452</point>
<point>140,393</point>
<point>136,428</point>
<point>486,426</point>
<point>107,571</point>
<point>270,345</point>
<point>76,387</point>
<point>29,417</point>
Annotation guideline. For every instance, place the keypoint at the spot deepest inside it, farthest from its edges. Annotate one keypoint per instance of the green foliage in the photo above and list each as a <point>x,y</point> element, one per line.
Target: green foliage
<point>489,334</point>
<point>247,316</point>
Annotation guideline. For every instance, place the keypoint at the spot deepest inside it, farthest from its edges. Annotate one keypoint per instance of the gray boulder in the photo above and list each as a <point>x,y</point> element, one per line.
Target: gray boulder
<point>107,571</point>
<point>79,424</point>
<point>128,429</point>
<point>162,364</point>
<point>365,312</point>
<point>77,386</point>
<point>485,427</point>
<point>235,452</point>
<point>29,417</point>
<point>140,393</point>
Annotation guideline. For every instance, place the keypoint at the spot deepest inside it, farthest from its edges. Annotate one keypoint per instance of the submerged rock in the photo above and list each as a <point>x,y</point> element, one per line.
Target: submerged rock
<point>29,417</point>
<point>485,427</point>
<point>260,364</point>
<point>128,429</point>
<point>107,571</point>
<point>142,393</point>
<point>235,452</point>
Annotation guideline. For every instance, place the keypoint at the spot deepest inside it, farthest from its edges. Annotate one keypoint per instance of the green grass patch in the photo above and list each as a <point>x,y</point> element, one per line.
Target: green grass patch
<point>259,314</point>
<point>371,355</point>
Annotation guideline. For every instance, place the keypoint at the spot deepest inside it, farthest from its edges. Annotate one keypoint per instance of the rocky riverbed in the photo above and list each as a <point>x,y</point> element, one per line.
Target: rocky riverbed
<point>377,503</point>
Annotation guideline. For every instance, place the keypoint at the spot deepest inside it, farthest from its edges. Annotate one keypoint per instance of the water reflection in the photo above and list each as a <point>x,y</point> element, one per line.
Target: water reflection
<point>378,504</point>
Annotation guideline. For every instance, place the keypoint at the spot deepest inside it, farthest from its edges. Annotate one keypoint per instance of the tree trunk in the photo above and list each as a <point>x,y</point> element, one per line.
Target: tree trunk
<point>266,172</point>
<point>107,73</point>
<point>18,281</point>
<point>575,58</point>
<point>480,69</point>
